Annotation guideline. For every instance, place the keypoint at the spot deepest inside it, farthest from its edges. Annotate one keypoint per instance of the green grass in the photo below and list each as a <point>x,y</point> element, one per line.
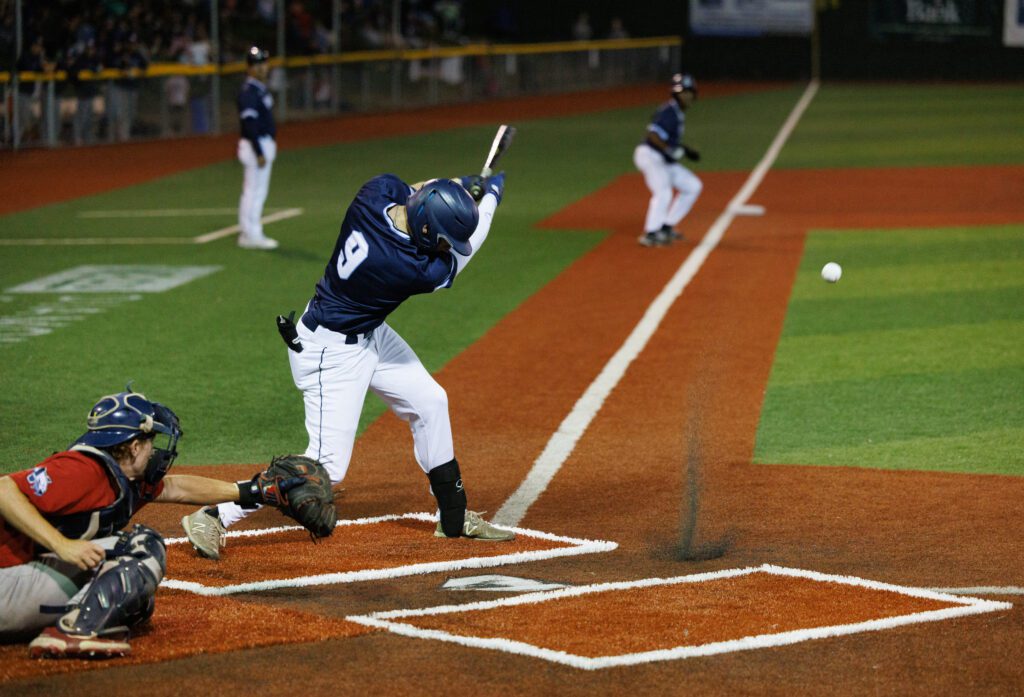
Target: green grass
<point>210,349</point>
<point>914,360</point>
<point>909,125</point>
<point>898,321</point>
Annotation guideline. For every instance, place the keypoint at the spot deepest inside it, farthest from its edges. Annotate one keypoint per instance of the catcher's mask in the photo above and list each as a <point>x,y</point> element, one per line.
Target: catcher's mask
<point>442,209</point>
<point>119,418</point>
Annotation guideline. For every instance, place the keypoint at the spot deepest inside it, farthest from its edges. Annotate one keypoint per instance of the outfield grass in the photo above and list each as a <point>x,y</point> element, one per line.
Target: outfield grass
<point>210,350</point>
<point>903,125</point>
<point>914,360</point>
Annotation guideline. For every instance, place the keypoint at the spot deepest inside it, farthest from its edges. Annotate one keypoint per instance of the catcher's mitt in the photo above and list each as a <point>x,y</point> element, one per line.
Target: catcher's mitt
<point>301,488</point>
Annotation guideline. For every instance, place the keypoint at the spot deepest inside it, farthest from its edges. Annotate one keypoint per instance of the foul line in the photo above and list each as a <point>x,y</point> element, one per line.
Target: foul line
<point>564,440</point>
<point>577,546</point>
<point>160,212</point>
<point>963,606</point>
<point>199,239</point>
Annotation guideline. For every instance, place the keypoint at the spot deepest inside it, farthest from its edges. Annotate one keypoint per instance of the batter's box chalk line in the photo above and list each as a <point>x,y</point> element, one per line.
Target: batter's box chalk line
<point>575,546</point>
<point>390,620</point>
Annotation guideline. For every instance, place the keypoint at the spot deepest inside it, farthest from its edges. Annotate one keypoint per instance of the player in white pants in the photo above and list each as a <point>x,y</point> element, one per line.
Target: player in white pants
<point>658,159</point>
<point>396,241</point>
<point>256,150</point>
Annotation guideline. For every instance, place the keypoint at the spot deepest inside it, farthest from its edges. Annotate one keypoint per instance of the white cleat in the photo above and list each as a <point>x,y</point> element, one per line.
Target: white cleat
<point>205,532</point>
<point>246,242</point>
<point>479,529</point>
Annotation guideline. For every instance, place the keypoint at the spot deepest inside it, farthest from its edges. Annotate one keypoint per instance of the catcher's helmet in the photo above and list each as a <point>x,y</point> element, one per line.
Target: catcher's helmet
<point>442,209</point>
<point>255,55</point>
<point>119,418</point>
<point>684,82</point>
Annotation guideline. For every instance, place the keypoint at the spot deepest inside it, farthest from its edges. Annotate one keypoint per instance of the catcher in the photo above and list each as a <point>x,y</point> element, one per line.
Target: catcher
<point>66,566</point>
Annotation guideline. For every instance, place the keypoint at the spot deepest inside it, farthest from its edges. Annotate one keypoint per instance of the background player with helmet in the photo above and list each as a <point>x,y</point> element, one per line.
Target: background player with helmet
<point>396,241</point>
<point>256,150</point>
<point>658,159</point>
<point>65,566</point>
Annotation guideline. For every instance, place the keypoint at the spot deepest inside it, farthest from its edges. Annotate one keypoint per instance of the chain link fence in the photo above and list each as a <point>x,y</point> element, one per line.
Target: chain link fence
<point>175,100</point>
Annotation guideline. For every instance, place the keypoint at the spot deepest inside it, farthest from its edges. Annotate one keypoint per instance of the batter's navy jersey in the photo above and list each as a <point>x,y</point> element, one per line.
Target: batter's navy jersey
<point>668,123</point>
<point>375,267</point>
<point>254,117</point>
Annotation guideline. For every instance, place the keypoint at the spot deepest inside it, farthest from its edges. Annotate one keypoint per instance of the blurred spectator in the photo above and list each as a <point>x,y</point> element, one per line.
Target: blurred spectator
<point>199,53</point>
<point>617,30</point>
<point>176,91</point>
<point>124,93</point>
<point>581,30</point>
<point>84,59</point>
<point>32,59</point>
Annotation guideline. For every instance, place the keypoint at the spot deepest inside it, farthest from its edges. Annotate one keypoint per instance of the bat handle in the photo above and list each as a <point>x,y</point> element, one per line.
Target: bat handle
<point>486,172</point>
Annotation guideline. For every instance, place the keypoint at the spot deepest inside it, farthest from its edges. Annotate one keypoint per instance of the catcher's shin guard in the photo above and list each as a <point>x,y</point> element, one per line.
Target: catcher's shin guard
<point>446,483</point>
<point>122,594</point>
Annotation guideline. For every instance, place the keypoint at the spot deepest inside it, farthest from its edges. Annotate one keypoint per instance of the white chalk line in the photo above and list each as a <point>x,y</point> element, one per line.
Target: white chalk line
<point>982,590</point>
<point>577,546</point>
<point>233,229</point>
<point>563,441</point>
<point>964,606</point>
<point>111,241</point>
<point>163,212</point>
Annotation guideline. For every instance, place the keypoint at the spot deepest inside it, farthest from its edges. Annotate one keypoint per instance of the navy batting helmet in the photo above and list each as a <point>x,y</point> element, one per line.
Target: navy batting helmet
<point>684,82</point>
<point>255,55</point>
<point>442,209</point>
<point>119,418</point>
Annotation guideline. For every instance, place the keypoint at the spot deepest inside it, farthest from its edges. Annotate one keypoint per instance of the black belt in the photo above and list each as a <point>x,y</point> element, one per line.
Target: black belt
<point>312,325</point>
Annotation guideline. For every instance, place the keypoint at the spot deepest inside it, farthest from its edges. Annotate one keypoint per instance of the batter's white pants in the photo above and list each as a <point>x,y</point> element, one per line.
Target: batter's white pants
<point>334,377</point>
<point>661,178</point>
<point>255,185</point>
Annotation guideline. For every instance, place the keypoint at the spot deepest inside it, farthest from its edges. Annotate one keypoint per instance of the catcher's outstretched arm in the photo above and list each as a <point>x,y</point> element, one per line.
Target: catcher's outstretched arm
<point>189,488</point>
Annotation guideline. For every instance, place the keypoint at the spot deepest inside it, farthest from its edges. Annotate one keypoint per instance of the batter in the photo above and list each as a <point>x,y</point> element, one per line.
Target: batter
<point>396,241</point>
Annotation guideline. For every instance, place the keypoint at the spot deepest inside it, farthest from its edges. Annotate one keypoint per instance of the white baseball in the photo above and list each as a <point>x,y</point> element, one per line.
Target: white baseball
<point>831,272</point>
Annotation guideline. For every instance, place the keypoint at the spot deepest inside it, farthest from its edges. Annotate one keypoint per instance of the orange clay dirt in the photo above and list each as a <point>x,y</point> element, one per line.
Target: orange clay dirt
<point>678,428</point>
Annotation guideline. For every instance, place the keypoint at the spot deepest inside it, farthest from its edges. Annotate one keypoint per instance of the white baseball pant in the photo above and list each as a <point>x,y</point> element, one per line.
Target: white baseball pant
<point>334,376</point>
<point>255,185</point>
<point>662,178</point>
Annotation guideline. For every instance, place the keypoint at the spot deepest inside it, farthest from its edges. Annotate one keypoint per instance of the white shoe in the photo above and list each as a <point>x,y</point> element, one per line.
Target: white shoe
<point>476,527</point>
<point>246,242</point>
<point>205,532</point>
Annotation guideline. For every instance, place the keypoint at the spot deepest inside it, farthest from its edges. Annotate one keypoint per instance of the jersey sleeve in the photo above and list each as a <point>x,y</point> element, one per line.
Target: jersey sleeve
<point>65,484</point>
<point>444,270</point>
<point>665,125</point>
<point>248,105</point>
<point>389,187</point>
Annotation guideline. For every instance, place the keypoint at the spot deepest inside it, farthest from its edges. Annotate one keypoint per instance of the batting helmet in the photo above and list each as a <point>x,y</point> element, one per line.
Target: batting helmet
<point>442,209</point>
<point>119,418</point>
<point>255,55</point>
<point>684,82</point>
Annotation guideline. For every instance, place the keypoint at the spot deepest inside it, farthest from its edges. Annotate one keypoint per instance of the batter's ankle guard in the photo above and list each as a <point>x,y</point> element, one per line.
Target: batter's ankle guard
<point>446,483</point>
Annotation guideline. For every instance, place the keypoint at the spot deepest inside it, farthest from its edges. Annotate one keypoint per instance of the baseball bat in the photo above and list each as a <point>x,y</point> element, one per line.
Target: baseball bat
<point>502,141</point>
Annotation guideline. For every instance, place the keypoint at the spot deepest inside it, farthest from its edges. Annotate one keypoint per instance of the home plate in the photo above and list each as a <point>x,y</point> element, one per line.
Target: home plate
<point>499,583</point>
<point>365,549</point>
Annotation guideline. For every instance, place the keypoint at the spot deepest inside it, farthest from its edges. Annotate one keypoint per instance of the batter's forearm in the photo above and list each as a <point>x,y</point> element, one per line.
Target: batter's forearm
<point>188,488</point>
<point>487,207</point>
<point>18,511</point>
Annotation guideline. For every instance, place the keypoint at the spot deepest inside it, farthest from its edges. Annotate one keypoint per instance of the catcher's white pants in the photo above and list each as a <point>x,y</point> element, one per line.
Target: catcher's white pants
<point>661,178</point>
<point>255,185</point>
<point>334,376</point>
